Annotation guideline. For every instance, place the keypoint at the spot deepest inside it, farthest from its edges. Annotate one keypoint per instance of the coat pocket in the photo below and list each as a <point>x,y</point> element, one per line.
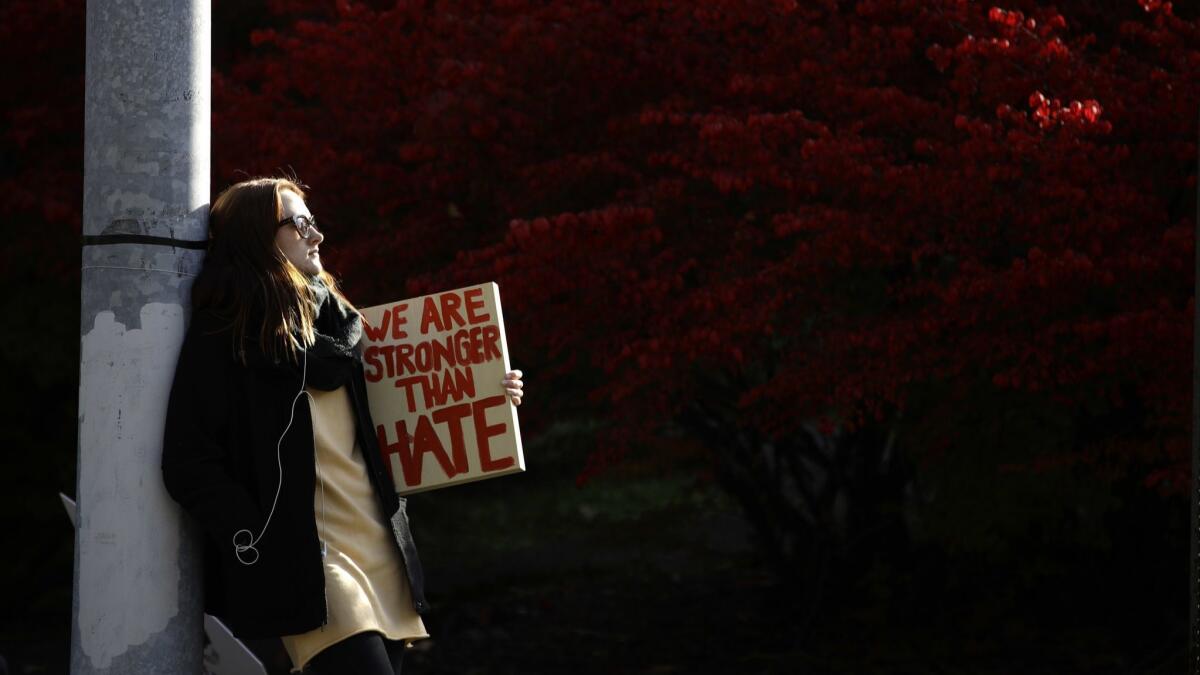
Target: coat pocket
<point>281,593</point>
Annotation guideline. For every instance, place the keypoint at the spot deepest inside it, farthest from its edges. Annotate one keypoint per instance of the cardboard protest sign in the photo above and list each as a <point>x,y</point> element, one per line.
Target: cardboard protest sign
<point>433,367</point>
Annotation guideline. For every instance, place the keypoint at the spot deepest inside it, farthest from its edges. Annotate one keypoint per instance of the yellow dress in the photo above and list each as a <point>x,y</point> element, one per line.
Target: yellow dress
<point>366,588</point>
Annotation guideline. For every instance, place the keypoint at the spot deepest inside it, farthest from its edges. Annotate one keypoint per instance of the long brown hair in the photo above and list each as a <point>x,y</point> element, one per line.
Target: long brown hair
<point>246,277</point>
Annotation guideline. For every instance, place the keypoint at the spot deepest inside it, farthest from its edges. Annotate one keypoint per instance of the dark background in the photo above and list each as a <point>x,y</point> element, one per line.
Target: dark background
<point>651,563</point>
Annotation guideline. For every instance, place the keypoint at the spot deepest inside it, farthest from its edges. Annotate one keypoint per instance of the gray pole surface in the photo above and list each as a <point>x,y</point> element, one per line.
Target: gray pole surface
<point>137,589</point>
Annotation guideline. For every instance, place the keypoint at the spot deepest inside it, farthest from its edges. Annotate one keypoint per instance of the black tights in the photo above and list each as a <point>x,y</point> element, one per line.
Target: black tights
<point>362,654</point>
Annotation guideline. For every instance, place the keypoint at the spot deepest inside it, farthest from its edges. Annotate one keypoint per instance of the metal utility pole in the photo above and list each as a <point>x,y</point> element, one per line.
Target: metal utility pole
<point>137,591</point>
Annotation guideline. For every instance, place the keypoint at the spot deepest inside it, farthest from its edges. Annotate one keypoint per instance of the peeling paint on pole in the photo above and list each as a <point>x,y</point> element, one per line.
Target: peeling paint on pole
<point>124,393</point>
<point>137,601</point>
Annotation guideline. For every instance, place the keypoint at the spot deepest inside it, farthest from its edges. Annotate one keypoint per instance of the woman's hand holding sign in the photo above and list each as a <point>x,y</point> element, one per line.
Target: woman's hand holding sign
<point>513,385</point>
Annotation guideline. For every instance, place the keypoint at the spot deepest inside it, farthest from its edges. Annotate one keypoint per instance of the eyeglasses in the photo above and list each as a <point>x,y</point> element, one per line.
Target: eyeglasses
<point>303,224</point>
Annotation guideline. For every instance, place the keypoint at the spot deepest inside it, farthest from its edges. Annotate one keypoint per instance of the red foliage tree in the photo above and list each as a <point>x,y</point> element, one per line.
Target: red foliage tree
<point>947,222</point>
<point>737,218</point>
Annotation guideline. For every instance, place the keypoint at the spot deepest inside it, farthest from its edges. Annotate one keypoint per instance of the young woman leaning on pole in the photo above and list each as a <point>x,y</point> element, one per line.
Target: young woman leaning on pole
<point>269,445</point>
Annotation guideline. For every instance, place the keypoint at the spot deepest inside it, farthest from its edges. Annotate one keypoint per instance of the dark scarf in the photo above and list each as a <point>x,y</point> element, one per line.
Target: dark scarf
<point>338,329</point>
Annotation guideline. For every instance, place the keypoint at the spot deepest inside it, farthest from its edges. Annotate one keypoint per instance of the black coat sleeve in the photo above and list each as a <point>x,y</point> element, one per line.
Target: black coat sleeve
<point>196,439</point>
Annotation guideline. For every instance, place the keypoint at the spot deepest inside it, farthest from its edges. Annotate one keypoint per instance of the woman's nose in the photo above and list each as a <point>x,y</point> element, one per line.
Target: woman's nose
<point>315,236</point>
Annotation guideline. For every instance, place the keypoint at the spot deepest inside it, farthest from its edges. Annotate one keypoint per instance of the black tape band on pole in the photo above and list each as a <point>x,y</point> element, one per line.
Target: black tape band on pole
<point>108,239</point>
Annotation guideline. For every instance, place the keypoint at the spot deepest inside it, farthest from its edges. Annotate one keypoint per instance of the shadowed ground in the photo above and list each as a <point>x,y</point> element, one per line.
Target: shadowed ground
<point>645,572</point>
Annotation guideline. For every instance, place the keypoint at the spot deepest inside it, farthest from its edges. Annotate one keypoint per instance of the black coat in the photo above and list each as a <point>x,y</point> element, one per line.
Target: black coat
<point>219,463</point>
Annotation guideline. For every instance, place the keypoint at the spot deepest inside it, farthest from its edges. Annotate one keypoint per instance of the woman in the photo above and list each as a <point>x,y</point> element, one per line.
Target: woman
<point>269,444</point>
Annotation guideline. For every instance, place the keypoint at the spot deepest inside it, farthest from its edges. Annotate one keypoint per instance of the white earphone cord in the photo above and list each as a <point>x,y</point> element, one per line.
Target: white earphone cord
<point>239,549</point>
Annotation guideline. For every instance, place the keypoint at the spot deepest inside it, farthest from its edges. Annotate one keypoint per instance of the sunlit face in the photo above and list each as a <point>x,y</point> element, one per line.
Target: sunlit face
<point>301,252</point>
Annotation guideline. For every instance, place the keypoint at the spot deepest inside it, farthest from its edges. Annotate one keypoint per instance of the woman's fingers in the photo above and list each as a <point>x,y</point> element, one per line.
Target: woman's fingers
<point>514,386</point>
<point>512,380</point>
